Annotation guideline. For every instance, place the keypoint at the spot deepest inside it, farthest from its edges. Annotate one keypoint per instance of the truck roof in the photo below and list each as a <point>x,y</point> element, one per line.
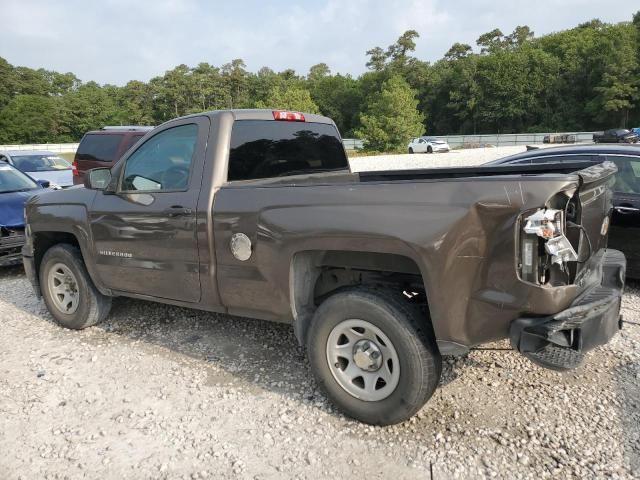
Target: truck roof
<point>260,114</point>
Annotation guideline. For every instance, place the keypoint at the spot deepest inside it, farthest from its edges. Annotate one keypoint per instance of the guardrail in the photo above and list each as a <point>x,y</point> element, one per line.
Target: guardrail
<point>498,140</point>
<point>51,147</point>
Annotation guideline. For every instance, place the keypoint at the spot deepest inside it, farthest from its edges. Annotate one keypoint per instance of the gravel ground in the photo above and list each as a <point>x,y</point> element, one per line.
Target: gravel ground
<point>165,392</point>
<point>472,156</point>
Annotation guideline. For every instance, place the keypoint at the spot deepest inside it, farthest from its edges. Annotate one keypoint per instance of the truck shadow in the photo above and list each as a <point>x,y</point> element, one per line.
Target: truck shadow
<point>265,354</point>
<point>12,271</point>
<point>259,354</point>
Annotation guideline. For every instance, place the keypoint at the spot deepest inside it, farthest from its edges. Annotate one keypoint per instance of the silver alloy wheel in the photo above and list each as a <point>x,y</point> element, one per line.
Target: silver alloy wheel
<point>63,288</point>
<point>363,360</point>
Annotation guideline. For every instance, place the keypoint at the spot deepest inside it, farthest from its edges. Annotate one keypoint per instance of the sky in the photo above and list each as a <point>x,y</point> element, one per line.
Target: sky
<point>114,41</point>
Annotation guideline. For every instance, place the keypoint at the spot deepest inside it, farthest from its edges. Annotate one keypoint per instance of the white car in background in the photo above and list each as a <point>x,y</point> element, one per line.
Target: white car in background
<point>427,145</point>
<point>41,165</point>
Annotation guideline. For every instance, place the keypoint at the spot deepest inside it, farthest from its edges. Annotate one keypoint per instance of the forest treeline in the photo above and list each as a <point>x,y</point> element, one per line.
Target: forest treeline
<point>584,78</point>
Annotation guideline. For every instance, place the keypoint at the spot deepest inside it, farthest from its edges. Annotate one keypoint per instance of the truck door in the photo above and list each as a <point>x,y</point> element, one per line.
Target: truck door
<point>625,224</point>
<point>145,233</point>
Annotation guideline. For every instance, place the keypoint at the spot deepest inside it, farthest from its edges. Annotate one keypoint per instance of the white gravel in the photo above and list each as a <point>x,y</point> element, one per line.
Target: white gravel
<point>164,392</point>
<point>472,156</point>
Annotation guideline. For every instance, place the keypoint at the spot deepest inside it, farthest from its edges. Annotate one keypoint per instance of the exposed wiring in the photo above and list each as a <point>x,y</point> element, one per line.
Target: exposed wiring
<point>583,230</point>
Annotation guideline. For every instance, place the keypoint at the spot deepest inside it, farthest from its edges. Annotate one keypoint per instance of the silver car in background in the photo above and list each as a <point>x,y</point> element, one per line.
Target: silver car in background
<point>427,145</point>
<point>41,165</point>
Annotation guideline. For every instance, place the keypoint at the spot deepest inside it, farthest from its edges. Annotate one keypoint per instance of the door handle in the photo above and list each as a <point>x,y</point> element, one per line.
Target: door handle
<point>625,210</point>
<point>177,211</point>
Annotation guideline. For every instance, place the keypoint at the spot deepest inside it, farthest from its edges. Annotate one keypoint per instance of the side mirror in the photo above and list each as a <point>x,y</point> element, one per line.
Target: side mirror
<point>43,183</point>
<point>97,178</point>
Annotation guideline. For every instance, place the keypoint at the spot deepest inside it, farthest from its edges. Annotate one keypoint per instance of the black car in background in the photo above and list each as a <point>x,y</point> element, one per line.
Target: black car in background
<point>616,135</point>
<point>625,225</point>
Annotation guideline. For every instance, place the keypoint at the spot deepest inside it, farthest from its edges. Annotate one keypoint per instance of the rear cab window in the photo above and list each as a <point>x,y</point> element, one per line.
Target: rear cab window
<point>268,148</point>
<point>131,141</point>
<point>99,147</point>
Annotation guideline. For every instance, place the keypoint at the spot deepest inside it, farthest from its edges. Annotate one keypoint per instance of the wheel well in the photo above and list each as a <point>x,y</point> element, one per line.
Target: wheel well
<point>43,241</point>
<point>315,275</point>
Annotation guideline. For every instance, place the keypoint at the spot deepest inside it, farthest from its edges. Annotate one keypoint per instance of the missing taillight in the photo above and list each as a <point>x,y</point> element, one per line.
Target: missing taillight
<point>288,116</point>
<point>548,223</point>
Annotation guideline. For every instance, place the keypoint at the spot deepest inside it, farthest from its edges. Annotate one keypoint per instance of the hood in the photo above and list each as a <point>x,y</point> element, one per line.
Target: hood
<point>12,207</point>
<point>62,178</point>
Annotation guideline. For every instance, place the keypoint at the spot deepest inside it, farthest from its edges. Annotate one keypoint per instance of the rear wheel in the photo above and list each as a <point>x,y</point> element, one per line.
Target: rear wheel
<point>429,149</point>
<point>410,150</point>
<point>72,299</point>
<point>371,356</point>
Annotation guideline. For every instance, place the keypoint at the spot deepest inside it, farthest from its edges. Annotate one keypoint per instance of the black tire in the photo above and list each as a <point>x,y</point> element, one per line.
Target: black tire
<point>410,150</point>
<point>420,363</point>
<point>92,308</point>
<point>429,149</point>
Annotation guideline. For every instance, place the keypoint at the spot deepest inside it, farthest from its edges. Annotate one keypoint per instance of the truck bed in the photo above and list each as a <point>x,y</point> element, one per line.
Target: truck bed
<point>472,172</point>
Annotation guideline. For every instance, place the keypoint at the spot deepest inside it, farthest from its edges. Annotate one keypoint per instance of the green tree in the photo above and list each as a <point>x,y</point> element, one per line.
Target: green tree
<point>491,42</point>
<point>339,98</point>
<point>290,98</point>
<point>377,59</point>
<point>391,117</point>
<point>7,86</point>
<point>520,35</point>
<point>458,51</point>
<point>235,78</point>
<point>30,119</point>
<point>318,72</point>
<point>396,56</point>
<point>137,100</point>
<point>89,108</point>
<point>618,88</point>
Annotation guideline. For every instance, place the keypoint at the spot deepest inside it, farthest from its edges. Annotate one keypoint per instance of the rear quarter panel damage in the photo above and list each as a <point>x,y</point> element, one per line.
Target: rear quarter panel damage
<point>459,232</point>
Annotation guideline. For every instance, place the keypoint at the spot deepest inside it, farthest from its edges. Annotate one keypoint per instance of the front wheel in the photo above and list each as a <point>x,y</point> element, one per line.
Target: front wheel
<point>429,149</point>
<point>72,299</point>
<point>410,150</point>
<point>372,356</point>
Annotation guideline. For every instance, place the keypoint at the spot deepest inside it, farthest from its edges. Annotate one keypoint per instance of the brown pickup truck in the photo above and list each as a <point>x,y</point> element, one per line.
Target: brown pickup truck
<point>256,213</point>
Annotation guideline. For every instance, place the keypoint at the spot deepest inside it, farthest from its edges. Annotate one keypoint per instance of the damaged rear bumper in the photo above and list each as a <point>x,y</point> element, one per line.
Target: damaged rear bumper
<point>560,341</point>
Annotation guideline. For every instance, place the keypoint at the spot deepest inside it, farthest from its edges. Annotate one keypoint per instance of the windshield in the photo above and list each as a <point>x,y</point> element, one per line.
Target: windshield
<point>11,180</point>
<point>40,163</point>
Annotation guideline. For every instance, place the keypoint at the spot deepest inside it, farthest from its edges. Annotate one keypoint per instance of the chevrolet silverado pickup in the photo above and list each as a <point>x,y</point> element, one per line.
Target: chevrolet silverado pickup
<point>256,213</point>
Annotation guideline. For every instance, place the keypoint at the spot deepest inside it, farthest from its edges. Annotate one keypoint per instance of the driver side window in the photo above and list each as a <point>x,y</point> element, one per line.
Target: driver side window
<point>163,163</point>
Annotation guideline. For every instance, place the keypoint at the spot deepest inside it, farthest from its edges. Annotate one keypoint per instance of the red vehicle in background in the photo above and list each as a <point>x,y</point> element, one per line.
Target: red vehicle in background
<point>102,148</point>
